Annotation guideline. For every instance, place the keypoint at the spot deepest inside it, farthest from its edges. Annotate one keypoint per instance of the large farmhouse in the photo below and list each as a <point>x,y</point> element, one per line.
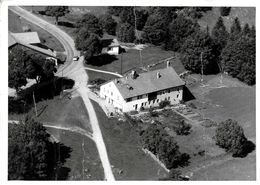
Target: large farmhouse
<point>146,90</point>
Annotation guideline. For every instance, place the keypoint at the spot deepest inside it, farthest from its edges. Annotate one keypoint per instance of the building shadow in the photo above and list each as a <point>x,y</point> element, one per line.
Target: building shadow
<point>101,60</point>
<point>187,94</point>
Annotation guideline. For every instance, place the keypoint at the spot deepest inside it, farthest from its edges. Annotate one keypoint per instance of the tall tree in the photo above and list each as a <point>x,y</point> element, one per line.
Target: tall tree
<point>56,11</point>
<point>246,30</point>
<point>224,11</point>
<point>88,43</point>
<point>220,34</point>
<point>114,10</point>
<point>127,15</point>
<point>17,68</point>
<point>199,53</point>
<point>126,33</point>
<point>91,23</point>
<point>179,29</point>
<point>108,24</point>
<point>238,59</point>
<point>31,155</point>
<point>235,29</point>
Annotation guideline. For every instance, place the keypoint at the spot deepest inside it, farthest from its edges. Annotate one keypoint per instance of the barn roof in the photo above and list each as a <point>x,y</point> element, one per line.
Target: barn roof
<point>148,82</point>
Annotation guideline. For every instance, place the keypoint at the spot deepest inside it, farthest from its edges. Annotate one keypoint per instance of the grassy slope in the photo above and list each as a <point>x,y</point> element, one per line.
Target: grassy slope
<point>64,112</point>
<point>245,15</point>
<point>124,151</point>
<point>95,75</point>
<point>92,163</point>
<point>236,101</point>
<point>15,24</point>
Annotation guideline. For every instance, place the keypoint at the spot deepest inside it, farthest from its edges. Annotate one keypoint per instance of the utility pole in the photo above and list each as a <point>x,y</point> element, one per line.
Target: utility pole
<point>35,109</point>
<point>201,60</point>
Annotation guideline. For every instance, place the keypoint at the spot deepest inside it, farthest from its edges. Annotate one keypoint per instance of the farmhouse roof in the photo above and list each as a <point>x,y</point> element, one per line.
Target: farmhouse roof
<point>148,82</point>
<point>27,39</point>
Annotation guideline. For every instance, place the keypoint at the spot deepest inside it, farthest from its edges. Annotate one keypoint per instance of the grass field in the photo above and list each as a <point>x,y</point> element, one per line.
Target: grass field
<point>245,15</point>
<point>15,24</point>
<point>131,60</point>
<point>236,101</point>
<point>84,162</point>
<point>124,150</point>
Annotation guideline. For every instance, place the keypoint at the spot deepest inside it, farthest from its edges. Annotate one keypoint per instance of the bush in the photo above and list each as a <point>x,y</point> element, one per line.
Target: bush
<point>230,136</point>
<point>153,113</point>
<point>164,103</point>
<point>156,140</point>
<point>182,128</point>
<point>224,11</point>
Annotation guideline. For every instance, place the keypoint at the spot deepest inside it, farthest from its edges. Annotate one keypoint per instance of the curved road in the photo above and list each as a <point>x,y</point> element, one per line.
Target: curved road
<point>75,71</point>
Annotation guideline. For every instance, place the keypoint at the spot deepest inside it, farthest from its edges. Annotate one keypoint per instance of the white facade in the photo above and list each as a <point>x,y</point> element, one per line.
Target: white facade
<point>112,95</point>
<point>113,50</point>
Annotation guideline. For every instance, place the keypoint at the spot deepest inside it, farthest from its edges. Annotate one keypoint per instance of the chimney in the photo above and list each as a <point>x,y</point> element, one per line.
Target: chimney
<point>168,63</point>
<point>158,75</point>
<point>133,74</point>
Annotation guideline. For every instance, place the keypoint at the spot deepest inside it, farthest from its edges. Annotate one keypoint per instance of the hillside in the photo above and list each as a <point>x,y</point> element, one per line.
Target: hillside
<point>245,15</point>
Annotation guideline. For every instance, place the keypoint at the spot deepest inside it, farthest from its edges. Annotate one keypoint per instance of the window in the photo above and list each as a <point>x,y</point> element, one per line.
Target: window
<point>139,97</point>
<point>168,98</point>
<point>177,95</point>
<point>111,93</point>
<point>157,100</point>
<point>142,104</point>
<point>169,91</point>
<point>128,99</point>
<point>153,101</point>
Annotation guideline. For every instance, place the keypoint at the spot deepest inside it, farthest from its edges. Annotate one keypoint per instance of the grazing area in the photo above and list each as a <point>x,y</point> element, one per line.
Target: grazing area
<point>125,152</point>
<point>84,162</point>
<point>233,100</point>
<point>17,24</point>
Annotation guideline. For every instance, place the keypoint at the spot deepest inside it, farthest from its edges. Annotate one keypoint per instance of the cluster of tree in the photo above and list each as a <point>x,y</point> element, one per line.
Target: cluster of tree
<point>56,11</point>
<point>32,155</point>
<point>238,56</point>
<point>182,128</point>
<point>230,136</point>
<point>156,140</point>
<point>23,65</point>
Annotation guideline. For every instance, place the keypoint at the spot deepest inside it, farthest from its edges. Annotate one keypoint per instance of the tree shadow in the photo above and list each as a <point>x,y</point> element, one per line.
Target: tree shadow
<point>58,155</point>
<point>101,60</point>
<point>187,94</point>
<point>66,24</point>
<point>42,91</point>
<point>248,147</point>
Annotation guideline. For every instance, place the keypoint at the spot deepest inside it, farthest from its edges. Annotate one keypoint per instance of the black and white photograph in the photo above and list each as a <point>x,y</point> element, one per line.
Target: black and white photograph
<point>129,92</point>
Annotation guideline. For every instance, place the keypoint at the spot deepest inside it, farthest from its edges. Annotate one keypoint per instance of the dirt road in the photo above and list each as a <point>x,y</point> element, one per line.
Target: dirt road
<point>75,71</point>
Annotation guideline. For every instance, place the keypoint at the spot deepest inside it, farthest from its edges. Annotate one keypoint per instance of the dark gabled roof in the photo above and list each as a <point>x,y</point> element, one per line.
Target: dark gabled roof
<point>148,82</point>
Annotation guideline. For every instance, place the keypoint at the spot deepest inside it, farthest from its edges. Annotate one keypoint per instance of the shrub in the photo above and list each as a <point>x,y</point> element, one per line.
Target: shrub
<point>153,113</point>
<point>182,128</point>
<point>164,103</point>
<point>230,136</point>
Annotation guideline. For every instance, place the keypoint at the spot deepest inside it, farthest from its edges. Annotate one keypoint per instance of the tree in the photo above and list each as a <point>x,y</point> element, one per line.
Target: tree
<point>88,43</point>
<point>199,49</point>
<point>156,140</point>
<point>155,29</point>
<point>31,155</point>
<point>127,15</point>
<point>141,18</point>
<point>108,24</point>
<point>246,30</point>
<point>90,23</point>
<point>230,136</point>
<point>126,33</point>
<point>235,29</point>
<point>220,34</point>
<point>115,10</point>
<point>224,11</point>
<point>238,59</point>
<point>56,11</point>
<point>179,29</point>
<point>16,71</point>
